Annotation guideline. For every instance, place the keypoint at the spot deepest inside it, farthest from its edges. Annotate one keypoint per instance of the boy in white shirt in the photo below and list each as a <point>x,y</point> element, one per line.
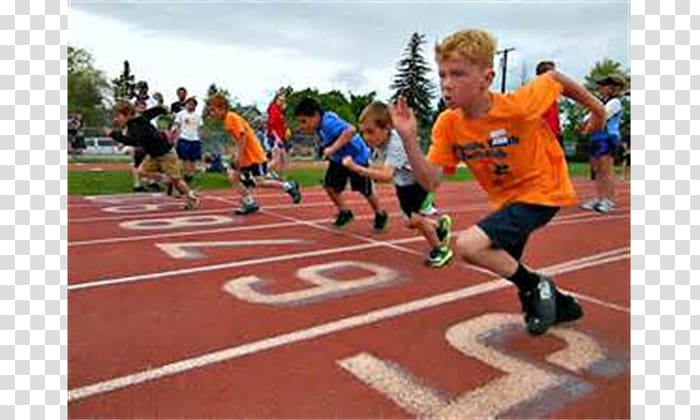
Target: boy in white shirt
<point>189,145</point>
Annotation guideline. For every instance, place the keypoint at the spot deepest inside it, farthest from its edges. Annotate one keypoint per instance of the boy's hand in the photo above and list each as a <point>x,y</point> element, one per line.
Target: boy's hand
<point>328,152</point>
<point>595,123</point>
<point>348,162</point>
<point>404,119</point>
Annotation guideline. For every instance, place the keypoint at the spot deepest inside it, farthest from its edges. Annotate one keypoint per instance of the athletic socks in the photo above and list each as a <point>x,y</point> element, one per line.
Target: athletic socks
<point>524,279</point>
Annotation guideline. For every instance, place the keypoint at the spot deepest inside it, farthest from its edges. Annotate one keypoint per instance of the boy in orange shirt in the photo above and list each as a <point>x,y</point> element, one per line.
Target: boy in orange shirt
<point>514,157</point>
<point>249,168</point>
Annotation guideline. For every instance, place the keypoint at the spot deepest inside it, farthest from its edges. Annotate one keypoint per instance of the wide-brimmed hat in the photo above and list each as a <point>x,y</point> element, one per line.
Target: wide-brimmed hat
<point>612,80</point>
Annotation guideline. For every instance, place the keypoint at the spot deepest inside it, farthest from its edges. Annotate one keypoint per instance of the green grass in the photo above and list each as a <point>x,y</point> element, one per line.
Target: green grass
<point>99,158</point>
<point>114,182</point>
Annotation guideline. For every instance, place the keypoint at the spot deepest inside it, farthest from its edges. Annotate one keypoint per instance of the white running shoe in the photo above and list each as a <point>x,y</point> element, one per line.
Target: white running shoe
<point>604,206</point>
<point>590,204</point>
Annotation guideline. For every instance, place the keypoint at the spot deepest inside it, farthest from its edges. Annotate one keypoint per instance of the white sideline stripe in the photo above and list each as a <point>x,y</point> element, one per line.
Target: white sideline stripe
<point>598,301</point>
<point>306,334</point>
<point>452,210</point>
<point>460,209</point>
<point>168,201</point>
<point>255,261</point>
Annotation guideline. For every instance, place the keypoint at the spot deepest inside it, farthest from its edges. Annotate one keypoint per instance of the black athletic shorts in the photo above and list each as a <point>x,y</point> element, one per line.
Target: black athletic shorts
<point>413,198</point>
<point>337,178</point>
<point>510,227</point>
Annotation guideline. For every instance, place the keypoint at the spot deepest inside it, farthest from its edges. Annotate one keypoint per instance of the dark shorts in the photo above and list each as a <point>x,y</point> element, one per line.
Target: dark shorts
<point>603,145</point>
<point>248,174</point>
<point>189,150</point>
<point>139,156</point>
<point>413,198</point>
<point>337,178</point>
<point>510,227</point>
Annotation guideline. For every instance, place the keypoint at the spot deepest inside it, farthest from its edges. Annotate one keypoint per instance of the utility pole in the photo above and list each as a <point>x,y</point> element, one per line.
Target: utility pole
<point>504,67</point>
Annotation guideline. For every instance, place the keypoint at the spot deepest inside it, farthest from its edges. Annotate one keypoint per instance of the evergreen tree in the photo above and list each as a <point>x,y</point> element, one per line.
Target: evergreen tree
<point>412,82</point>
<point>123,86</point>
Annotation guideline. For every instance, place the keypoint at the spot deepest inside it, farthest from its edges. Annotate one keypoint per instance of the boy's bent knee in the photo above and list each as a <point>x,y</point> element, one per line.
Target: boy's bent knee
<point>471,243</point>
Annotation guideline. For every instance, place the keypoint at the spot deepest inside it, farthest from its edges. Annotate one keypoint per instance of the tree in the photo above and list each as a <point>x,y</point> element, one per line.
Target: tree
<point>411,79</point>
<point>574,114</point>
<point>412,82</point>
<point>123,86</point>
<point>359,102</point>
<point>604,68</point>
<point>86,88</point>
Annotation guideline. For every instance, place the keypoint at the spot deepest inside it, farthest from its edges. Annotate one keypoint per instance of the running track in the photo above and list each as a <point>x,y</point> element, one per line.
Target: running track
<point>205,314</point>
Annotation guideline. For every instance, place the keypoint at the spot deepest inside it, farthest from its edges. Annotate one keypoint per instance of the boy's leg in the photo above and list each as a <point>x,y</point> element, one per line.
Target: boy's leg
<point>138,155</point>
<point>497,242</point>
<point>260,172</point>
<point>243,181</point>
<point>169,164</point>
<point>334,182</point>
<point>365,186</point>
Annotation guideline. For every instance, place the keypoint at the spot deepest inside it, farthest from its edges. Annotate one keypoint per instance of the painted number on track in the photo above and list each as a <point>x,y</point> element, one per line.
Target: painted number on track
<point>524,381</point>
<point>250,288</point>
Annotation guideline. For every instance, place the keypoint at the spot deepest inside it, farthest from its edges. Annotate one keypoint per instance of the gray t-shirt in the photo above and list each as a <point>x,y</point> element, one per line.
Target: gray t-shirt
<point>395,156</point>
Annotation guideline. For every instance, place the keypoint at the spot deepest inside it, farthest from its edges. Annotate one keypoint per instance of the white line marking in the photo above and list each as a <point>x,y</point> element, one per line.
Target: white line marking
<point>390,380</point>
<point>244,263</point>
<point>300,335</point>
<point>462,209</point>
<point>184,249</point>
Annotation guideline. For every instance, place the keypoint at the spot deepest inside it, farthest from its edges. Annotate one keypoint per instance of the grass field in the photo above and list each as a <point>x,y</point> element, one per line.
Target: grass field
<point>113,182</point>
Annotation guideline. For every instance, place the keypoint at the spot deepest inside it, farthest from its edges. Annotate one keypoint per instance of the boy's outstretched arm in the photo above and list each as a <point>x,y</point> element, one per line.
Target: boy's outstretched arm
<point>343,139</point>
<point>383,174</point>
<point>427,174</point>
<point>580,94</point>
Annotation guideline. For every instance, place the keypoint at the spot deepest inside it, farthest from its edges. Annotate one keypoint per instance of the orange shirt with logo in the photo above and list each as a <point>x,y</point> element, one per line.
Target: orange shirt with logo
<point>511,151</point>
<point>239,128</point>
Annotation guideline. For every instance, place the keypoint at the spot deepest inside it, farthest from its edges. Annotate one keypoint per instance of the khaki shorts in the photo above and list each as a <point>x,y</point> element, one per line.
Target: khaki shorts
<point>167,164</point>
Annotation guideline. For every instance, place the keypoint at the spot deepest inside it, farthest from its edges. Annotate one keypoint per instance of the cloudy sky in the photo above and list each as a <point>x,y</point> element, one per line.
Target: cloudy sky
<point>253,47</point>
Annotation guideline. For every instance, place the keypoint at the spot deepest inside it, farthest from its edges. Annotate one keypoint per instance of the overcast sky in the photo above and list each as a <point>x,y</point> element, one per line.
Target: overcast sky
<point>251,48</point>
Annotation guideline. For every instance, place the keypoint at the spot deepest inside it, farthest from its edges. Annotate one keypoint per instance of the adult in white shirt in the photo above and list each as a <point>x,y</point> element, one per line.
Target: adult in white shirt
<point>189,144</point>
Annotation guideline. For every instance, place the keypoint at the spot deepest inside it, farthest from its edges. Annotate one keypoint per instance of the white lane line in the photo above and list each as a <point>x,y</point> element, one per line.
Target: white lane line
<point>305,334</point>
<point>255,261</point>
<point>116,239</point>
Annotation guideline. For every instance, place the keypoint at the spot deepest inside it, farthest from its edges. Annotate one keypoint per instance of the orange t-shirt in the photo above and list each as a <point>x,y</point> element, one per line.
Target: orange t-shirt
<point>511,152</point>
<point>238,128</point>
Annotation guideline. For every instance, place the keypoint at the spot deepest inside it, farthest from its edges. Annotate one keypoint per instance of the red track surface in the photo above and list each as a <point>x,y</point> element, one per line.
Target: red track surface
<point>152,334</point>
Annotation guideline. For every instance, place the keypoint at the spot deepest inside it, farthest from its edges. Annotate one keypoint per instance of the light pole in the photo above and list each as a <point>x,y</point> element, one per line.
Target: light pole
<point>504,67</point>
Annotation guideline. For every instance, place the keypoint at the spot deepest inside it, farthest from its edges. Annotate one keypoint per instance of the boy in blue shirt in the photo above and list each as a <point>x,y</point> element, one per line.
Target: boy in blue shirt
<point>338,140</point>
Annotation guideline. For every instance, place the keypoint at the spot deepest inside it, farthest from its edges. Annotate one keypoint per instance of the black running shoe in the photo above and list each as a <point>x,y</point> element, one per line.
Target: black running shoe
<point>568,309</point>
<point>539,305</point>
<point>380,221</point>
<point>247,208</point>
<point>139,188</point>
<point>294,192</point>
<point>343,219</point>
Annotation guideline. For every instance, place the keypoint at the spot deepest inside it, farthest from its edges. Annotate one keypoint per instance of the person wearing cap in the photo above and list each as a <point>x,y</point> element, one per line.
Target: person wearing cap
<point>189,145</point>
<point>604,144</point>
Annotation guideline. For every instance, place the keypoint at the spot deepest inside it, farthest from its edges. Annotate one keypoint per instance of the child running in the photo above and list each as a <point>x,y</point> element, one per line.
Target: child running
<point>340,139</point>
<point>378,132</point>
<point>514,157</point>
<point>137,130</point>
<point>249,167</point>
